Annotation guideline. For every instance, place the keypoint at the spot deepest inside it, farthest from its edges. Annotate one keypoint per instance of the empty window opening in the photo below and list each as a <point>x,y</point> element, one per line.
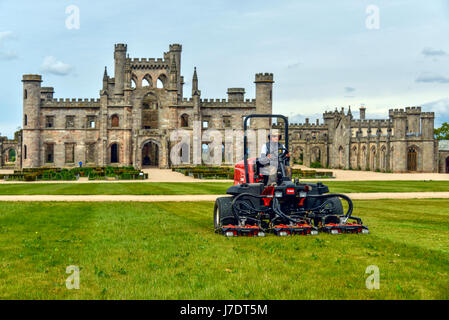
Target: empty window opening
<point>49,152</point>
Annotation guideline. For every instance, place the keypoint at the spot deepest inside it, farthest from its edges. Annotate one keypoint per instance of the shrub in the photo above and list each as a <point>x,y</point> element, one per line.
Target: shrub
<point>30,177</point>
<point>316,164</point>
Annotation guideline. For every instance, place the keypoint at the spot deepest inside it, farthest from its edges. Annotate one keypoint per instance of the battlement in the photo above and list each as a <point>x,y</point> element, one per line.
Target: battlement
<point>413,110</point>
<point>427,114</point>
<point>301,126</point>
<point>371,123</point>
<point>330,114</point>
<point>176,47</point>
<point>397,113</point>
<point>72,103</point>
<point>120,47</point>
<point>264,77</point>
<point>223,103</point>
<point>147,60</point>
<point>32,77</point>
<point>150,63</point>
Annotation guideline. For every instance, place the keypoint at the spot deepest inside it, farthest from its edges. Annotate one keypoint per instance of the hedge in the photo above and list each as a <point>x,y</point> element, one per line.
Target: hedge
<point>62,174</point>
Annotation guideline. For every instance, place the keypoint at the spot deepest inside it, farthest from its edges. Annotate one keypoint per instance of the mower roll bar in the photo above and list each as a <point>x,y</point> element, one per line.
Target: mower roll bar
<point>245,136</point>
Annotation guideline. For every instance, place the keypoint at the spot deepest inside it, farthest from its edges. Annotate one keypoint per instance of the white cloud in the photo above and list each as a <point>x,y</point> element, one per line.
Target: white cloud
<point>432,78</point>
<point>441,109</point>
<point>51,65</point>
<point>430,52</point>
<point>349,89</point>
<point>6,54</point>
<point>440,106</point>
<point>293,65</point>
<point>6,35</point>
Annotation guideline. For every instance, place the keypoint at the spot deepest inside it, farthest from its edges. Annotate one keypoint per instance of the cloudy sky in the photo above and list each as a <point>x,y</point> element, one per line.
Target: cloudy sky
<point>324,54</point>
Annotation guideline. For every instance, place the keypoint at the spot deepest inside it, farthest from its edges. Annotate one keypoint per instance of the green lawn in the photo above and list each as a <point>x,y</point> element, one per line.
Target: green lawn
<point>177,188</point>
<point>169,251</point>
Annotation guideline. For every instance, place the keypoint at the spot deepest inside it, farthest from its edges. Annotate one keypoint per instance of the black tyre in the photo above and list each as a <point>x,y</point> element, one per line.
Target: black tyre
<point>223,212</point>
<point>335,205</point>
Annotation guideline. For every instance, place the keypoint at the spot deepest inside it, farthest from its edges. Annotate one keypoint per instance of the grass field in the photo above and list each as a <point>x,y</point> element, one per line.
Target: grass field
<point>179,188</point>
<point>169,251</point>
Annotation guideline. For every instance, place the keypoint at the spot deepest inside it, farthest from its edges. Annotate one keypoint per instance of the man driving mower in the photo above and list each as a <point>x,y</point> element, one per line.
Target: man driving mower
<point>288,207</point>
<point>269,158</point>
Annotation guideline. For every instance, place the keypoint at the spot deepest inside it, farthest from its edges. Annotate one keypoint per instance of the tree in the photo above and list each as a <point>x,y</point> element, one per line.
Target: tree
<point>443,132</point>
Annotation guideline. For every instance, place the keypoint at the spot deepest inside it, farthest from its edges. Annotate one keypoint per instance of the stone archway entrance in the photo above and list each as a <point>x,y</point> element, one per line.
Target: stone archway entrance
<point>150,154</point>
<point>447,165</point>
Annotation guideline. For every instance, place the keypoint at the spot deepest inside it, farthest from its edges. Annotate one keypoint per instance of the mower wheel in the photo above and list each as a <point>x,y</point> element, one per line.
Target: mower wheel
<point>223,212</point>
<point>335,205</point>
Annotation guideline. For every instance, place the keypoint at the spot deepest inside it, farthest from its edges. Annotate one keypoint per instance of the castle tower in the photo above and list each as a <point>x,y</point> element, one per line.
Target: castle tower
<point>173,76</point>
<point>428,124</point>
<point>398,141</point>
<point>428,146</point>
<point>120,60</point>
<point>362,112</point>
<point>399,123</point>
<point>175,52</point>
<point>264,98</point>
<point>31,125</point>
<point>413,120</point>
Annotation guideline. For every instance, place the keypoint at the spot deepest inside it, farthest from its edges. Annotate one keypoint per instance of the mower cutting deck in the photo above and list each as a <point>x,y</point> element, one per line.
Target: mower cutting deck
<point>286,208</point>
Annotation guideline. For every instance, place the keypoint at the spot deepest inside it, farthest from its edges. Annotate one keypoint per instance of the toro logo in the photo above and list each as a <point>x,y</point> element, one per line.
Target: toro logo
<point>290,191</point>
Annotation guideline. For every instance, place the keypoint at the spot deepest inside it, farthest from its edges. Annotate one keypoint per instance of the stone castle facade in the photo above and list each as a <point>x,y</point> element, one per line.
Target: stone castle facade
<point>402,143</point>
<point>139,108</point>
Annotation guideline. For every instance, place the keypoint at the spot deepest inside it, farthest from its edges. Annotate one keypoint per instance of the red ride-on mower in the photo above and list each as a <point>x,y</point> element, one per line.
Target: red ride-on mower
<point>284,208</point>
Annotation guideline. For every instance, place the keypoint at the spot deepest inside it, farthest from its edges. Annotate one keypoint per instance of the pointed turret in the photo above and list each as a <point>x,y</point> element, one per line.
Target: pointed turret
<point>195,90</point>
<point>105,79</point>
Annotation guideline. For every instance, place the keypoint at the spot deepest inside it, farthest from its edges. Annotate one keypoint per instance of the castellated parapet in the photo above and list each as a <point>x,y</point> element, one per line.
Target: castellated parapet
<point>264,77</point>
<point>72,103</point>
<point>32,77</point>
<point>121,47</point>
<point>175,47</point>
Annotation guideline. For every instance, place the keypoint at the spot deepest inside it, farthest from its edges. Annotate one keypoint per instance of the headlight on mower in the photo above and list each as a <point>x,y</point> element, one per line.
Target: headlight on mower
<point>278,194</point>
